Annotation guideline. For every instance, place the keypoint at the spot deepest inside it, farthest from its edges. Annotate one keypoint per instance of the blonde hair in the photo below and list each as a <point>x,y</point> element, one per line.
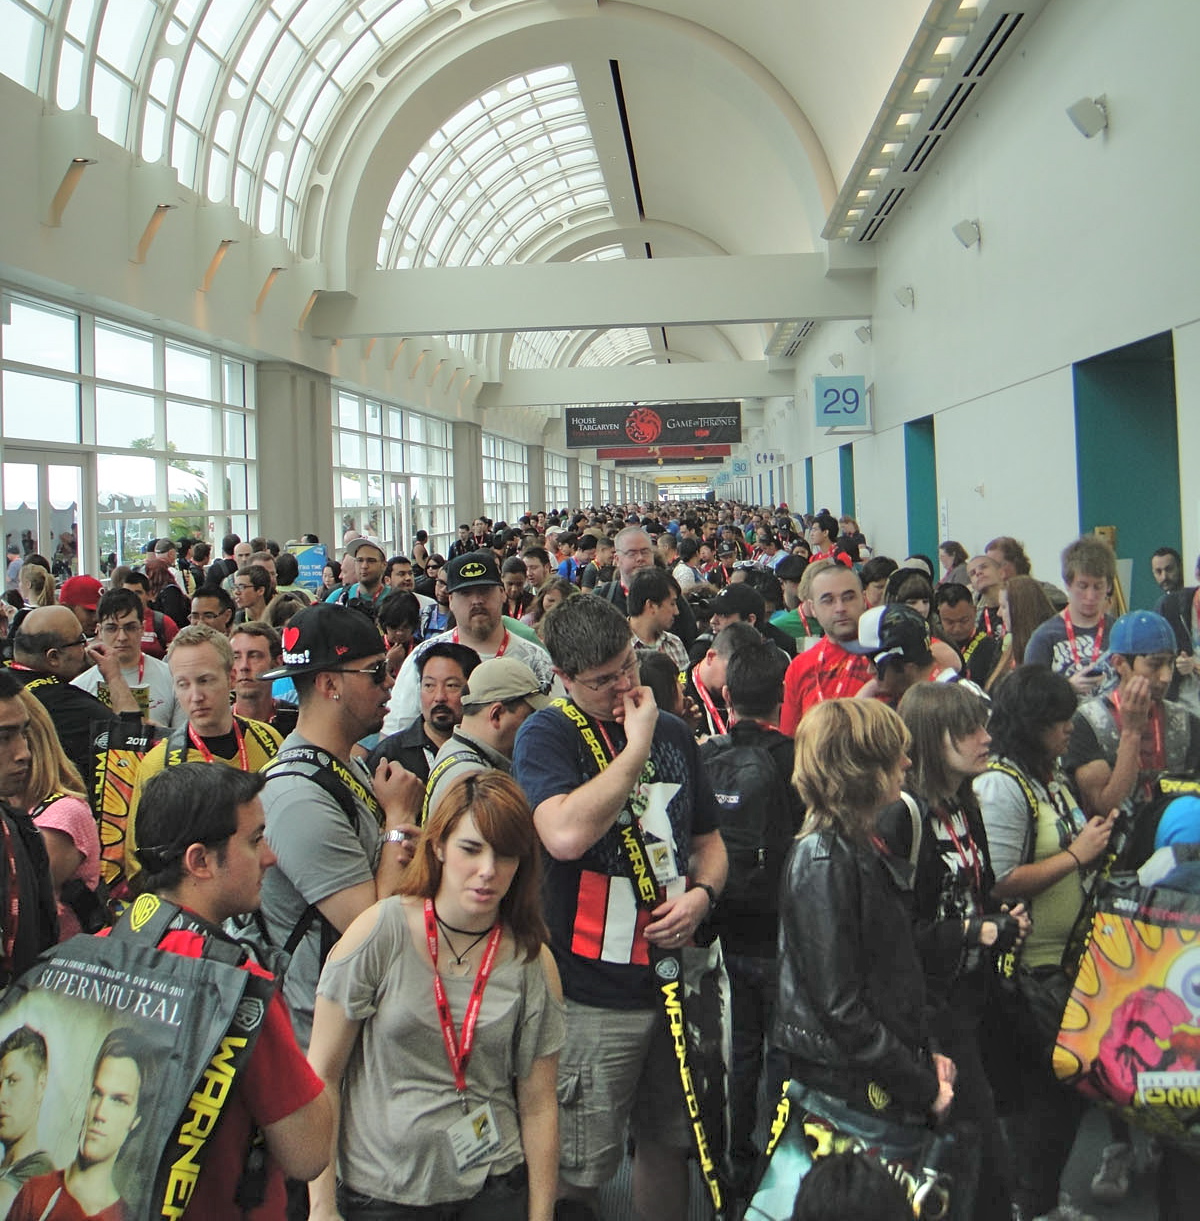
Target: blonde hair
<point>50,771</point>
<point>39,583</point>
<point>845,749</point>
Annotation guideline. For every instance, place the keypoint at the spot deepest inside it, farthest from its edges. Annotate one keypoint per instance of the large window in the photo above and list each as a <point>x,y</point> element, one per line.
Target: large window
<point>391,473</point>
<point>587,485</point>
<point>505,479</point>
<point>164,428</point>
<point>558,494</point>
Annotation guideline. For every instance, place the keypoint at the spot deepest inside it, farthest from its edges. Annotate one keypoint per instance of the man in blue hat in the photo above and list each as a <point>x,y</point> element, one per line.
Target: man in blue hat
<point>1124,740</point>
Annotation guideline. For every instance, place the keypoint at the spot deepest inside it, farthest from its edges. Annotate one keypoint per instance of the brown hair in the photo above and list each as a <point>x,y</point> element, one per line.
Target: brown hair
<point>39,583</point>
<point>931,711</point>
<point>50,771</point>
<point>1089,556</point>
<point>844,751</point>
<point>497,804</point>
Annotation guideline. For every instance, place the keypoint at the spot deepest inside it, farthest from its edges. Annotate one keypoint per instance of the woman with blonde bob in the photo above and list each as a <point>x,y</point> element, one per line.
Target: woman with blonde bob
<point>423,1135</point>
<point>55,797</point>
<point>851,1013</point>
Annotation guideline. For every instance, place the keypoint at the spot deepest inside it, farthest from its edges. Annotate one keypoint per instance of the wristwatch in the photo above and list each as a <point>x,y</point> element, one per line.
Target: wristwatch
<point>394,837</point>
<point>708,890</point>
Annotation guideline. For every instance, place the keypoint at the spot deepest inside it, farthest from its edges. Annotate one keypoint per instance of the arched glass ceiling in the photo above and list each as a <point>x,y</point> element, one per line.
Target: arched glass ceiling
<point>511,162</point>
<point>626,346</point>
<point>236,95</point>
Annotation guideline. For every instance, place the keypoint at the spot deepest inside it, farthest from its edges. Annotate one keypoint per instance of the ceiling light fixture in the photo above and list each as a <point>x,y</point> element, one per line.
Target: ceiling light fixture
<point>863,333</point>
<point>906,296</point>
<point>835,359</point>
<point>1090,115</point>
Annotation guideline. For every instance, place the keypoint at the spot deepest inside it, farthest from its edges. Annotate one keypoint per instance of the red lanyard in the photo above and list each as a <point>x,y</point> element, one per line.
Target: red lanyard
<point>707,700</point>
<point>987,620</point>
<point>974,862</point>
<point>847,671</point>
<point>240,738</point>
<point>498,653</point>
<point>1154,759</point>
<point>458,1050</point>
<point>1097,639</point>
<point>804,619</point>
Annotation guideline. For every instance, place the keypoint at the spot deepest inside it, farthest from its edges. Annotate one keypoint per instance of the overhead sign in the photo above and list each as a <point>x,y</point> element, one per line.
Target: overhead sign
<point>690,480</point>
<point>666,452</point>
<point>841,402</point>
<point>769,457</point>
<point>645,462</point>
<point>740,467</point>
<point>661,423</point>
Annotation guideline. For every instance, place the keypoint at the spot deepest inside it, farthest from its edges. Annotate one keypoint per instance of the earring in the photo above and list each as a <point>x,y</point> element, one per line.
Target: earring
<point>335,696</point>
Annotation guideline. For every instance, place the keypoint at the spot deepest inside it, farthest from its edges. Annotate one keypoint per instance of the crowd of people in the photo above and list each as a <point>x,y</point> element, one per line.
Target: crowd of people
<point>487,801</point>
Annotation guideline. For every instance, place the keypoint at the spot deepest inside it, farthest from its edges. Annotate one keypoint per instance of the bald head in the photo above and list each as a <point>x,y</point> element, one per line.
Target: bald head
<point>50,641</point>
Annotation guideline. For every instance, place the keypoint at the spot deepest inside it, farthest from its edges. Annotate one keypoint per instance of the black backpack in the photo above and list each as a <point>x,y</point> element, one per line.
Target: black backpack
<point>760,814</point>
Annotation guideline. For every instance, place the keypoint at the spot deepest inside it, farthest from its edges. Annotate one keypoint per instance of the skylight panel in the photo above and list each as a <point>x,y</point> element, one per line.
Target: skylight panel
<point>21,47</point>
<point>221,24</point>
<point>123,33</point>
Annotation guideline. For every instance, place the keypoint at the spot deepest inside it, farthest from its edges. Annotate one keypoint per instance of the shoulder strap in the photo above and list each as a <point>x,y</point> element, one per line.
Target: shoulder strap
<point>259,731</point>
<point>331,774</point>
<point>439,770</point>
<point>1031,803</point>
<point>914,812</point>
<point>160,629</point>
<point>177,746</point>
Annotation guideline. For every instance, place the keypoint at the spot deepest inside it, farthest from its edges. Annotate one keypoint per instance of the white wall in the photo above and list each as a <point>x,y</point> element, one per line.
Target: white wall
<point>1087,245</point>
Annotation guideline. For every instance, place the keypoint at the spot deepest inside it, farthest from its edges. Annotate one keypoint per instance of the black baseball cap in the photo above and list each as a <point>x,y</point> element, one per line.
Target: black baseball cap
<point>474,568</point>
<point>894,630</point>
<point>791,568</point>
<point>325,637</point>
<point>739,599</point>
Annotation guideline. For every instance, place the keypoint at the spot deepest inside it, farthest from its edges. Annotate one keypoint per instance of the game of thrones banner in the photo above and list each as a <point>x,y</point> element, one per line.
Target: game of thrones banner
<point>116,1061</point>
<point>654,424</point>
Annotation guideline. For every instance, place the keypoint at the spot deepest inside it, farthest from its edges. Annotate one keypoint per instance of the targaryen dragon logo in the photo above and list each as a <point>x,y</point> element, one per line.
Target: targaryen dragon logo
<point>643,426</point>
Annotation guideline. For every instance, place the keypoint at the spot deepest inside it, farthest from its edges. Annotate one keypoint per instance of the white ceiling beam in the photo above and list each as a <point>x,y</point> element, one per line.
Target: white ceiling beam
<point>692,381</point>
<point>620,292</point>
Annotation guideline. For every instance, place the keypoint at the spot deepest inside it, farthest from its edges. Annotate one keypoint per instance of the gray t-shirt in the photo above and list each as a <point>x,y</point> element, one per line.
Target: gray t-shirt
<point>398,1095</point>
<point>319,853</point>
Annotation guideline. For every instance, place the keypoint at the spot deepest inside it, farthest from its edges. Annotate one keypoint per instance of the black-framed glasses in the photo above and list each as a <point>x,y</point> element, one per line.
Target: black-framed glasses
<point>378,672</point>
<point>81,643</point>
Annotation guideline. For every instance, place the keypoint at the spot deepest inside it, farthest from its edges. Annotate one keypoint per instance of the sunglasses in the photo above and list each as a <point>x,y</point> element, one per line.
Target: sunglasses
<point>378,672</point>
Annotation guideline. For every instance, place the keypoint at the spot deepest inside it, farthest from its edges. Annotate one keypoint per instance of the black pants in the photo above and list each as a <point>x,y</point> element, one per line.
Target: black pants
<point>503,1197</point>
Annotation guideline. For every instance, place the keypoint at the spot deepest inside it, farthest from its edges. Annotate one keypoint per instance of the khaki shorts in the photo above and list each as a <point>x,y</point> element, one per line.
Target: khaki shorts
<point>617,1069</point>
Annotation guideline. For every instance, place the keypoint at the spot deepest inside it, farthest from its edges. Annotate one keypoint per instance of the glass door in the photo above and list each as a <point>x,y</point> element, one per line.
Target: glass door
<point>45,509</point>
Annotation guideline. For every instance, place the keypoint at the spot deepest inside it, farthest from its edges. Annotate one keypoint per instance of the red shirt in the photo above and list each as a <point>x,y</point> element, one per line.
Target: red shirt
<point>151,645</point>
<point>826,671</point>
<point>36,1194</point>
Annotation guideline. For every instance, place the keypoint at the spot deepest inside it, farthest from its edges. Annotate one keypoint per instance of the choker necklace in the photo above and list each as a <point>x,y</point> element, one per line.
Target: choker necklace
<point>465,932</point>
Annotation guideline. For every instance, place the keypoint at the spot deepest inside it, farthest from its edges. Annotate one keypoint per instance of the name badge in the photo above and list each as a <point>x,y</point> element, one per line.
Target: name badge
<point>475,1137</point>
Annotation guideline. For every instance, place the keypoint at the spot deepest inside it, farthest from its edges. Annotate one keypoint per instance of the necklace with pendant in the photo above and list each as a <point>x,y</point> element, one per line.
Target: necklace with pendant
<point>460,966</point>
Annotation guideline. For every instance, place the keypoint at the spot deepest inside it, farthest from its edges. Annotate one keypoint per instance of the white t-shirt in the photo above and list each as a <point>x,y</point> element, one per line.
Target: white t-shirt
<point>150,682</point>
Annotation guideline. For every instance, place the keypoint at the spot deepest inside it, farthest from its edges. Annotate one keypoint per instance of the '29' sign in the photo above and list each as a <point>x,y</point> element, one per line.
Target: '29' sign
<point>840,402</point>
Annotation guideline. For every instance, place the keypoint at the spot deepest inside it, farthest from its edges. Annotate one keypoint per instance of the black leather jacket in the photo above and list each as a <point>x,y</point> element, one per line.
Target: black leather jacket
<point>852,1013</point>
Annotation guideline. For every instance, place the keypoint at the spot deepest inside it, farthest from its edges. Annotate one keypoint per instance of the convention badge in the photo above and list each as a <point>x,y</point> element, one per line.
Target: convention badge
<point>475,1137</point>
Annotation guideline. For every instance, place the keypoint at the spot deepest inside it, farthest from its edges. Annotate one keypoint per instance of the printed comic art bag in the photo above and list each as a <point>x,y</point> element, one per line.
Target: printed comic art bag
<point>120,747</point>
<point>1130,1033</point>
<point>137,1051</point>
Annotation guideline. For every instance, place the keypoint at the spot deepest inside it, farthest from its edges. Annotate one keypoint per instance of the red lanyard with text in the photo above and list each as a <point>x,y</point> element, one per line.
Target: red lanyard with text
<point>974,862</point>
<point>240,738</point>
<point>499,652</point>
<point>1097,640</point>
<point>714,716</point>
<point>12,915</point>
<point>846,672</point>
<point>458,1050</point>
<point>1154,759</point>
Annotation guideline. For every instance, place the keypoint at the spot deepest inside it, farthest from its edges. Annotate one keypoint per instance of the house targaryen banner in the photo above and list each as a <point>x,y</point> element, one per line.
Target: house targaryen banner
<point>130,1054</point>
<point>654,424</point>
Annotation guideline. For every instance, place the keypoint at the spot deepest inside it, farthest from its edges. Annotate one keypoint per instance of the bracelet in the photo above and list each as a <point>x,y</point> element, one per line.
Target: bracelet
<point>708,890</point>
<point>394,837</point>
<point>1078,862</point>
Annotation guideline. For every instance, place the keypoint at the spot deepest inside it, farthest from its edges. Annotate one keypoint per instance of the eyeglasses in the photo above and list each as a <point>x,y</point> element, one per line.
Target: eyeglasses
<point>640,551</point>
<point>378,672</point>
<point>608,681</point>
<point>207,616</point>
<point>133,628</point>
<point>81,643</point>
